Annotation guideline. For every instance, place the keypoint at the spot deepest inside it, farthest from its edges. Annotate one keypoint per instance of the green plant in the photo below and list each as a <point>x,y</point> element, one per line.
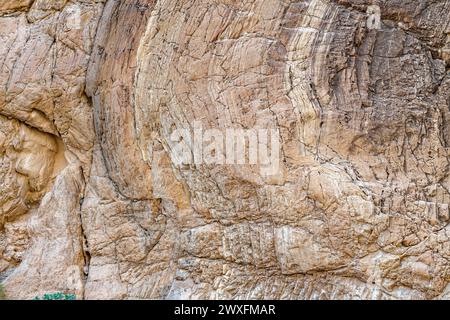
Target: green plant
<point>2,292</point>
<point>56,296</point>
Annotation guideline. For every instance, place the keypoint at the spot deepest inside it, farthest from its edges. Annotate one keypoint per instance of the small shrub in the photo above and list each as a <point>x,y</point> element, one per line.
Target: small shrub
<point>56,296</point>
<point>2,292</point>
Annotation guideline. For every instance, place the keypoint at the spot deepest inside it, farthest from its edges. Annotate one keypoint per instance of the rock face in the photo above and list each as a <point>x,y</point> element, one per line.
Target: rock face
<point>94,200</point>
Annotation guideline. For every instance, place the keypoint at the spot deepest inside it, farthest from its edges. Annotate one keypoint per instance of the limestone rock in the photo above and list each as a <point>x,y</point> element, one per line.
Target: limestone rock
<point>95,201</point>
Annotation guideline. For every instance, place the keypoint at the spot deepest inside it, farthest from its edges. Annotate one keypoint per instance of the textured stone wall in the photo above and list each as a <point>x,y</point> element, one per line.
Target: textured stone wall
<point>93,202</point>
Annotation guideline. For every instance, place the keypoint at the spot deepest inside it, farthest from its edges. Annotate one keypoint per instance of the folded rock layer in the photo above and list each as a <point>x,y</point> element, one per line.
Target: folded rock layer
<point>93,199</point>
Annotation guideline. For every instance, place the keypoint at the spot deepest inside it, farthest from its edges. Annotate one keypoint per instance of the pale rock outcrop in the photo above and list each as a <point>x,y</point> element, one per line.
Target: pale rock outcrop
<point>93,201</point>
<point>47,138</point>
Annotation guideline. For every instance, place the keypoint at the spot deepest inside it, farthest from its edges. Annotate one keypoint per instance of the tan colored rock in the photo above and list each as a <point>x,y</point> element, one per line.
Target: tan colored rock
<point>94,201</point>
<point>11,6</point>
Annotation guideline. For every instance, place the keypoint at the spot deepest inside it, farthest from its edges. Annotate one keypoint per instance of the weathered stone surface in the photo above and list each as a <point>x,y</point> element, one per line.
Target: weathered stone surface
<point>93,201</point>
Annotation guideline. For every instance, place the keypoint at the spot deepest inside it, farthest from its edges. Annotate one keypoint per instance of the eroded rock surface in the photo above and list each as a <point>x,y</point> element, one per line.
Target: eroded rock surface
<point>94,203</point>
